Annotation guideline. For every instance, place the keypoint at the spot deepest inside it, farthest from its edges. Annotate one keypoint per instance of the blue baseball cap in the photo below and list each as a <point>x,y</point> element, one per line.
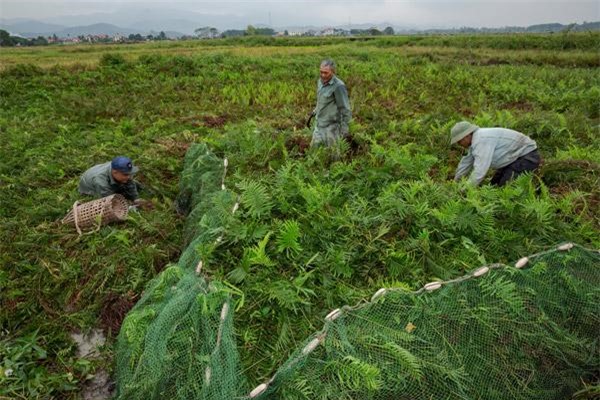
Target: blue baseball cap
<point>124,165</point>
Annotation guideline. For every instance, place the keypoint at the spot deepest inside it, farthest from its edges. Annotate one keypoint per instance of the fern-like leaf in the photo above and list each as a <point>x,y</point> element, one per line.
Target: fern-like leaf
<point>257,255</point>
<point>408,361</point>
<point>255,198</point>
<point>504,290</point>
<point>287,240</point>
<point>357,374</point>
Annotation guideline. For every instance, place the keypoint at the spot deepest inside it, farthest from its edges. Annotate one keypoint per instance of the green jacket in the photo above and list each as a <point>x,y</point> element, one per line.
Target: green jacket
<point>98,182</point>
<point>333,105</point>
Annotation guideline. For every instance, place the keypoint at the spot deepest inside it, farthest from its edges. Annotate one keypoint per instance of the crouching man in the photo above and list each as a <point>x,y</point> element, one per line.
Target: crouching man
<point>113,177</point>
<point>509,152</point>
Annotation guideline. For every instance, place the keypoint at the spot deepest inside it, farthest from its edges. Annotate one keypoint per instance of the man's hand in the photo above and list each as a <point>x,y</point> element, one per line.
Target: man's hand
<point>143,204</point>
<point>309,118</point>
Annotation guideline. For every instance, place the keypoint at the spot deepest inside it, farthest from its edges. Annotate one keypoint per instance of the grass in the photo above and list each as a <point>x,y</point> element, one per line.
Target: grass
<point>568,50</point>
<point>63,109</point>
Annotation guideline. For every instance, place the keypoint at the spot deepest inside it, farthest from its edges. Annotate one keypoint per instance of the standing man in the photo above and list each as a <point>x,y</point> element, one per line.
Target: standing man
<point>509,152</point>
<point>333,107</point>
<point>113,177</point>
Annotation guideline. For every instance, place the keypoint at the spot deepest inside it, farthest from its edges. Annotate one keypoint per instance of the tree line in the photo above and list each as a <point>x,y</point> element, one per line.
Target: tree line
<point>209,32</point>
<point>6,40</point>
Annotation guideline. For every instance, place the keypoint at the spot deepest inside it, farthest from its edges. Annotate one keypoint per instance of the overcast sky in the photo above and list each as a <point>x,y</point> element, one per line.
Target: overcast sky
<point>415,13</point>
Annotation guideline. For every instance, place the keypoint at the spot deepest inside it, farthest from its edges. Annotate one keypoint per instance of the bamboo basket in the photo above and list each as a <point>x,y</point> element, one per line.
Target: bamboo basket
<point>97,212</point>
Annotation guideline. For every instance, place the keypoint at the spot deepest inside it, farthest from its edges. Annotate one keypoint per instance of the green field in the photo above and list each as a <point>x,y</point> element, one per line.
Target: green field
<point>386,216</point>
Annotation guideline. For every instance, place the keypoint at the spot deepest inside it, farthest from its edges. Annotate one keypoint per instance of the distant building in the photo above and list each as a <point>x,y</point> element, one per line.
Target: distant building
<point>327,32</point>
<point>71,40</point>
<point>333,32</point>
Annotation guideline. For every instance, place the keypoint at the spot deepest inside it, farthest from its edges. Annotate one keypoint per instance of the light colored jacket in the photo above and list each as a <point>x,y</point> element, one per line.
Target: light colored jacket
<point>492,148</point>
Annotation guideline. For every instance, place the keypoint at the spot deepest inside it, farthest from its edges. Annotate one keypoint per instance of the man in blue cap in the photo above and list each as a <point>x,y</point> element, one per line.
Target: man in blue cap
<point>113,177</point>
<point>507,151</point>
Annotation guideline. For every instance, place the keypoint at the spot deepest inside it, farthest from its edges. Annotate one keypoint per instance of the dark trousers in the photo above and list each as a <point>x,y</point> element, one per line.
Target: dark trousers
<point>528,162</point>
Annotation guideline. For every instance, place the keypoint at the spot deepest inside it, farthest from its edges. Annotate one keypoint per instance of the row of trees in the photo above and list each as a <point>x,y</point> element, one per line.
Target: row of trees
<point>141,38</point>
<point>6,40</point>
<point>373,31</point>
<point>209,32</point>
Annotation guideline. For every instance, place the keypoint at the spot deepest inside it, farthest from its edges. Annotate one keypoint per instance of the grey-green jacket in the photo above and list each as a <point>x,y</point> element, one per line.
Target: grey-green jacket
<point>98,182</point>
<point>333,105</point>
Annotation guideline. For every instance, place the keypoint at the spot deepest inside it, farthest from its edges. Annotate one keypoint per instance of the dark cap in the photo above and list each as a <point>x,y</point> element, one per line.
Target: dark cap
<point>123,164</point>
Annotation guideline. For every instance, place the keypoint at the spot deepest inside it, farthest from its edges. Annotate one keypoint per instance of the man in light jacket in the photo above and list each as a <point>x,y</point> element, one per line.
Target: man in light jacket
<point>509,152</point>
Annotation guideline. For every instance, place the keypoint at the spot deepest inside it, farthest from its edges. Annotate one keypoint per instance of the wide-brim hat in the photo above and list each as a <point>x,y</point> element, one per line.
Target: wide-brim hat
<point>460,130</point>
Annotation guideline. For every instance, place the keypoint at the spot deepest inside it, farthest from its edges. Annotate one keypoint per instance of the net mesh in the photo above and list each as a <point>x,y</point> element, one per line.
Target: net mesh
<point>177,342</point>
<point>525,331</point>
<point>508,334</point>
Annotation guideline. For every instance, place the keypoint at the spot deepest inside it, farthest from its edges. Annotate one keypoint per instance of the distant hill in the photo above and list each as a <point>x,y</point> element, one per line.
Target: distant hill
<point>96,29</point>
<point>135,15</point>
<point>545,28</point>
<point>588,26</point>
<point>21,26</point>
<point>174,25</point>
<point>64,32</point>
<point>540,28</point>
